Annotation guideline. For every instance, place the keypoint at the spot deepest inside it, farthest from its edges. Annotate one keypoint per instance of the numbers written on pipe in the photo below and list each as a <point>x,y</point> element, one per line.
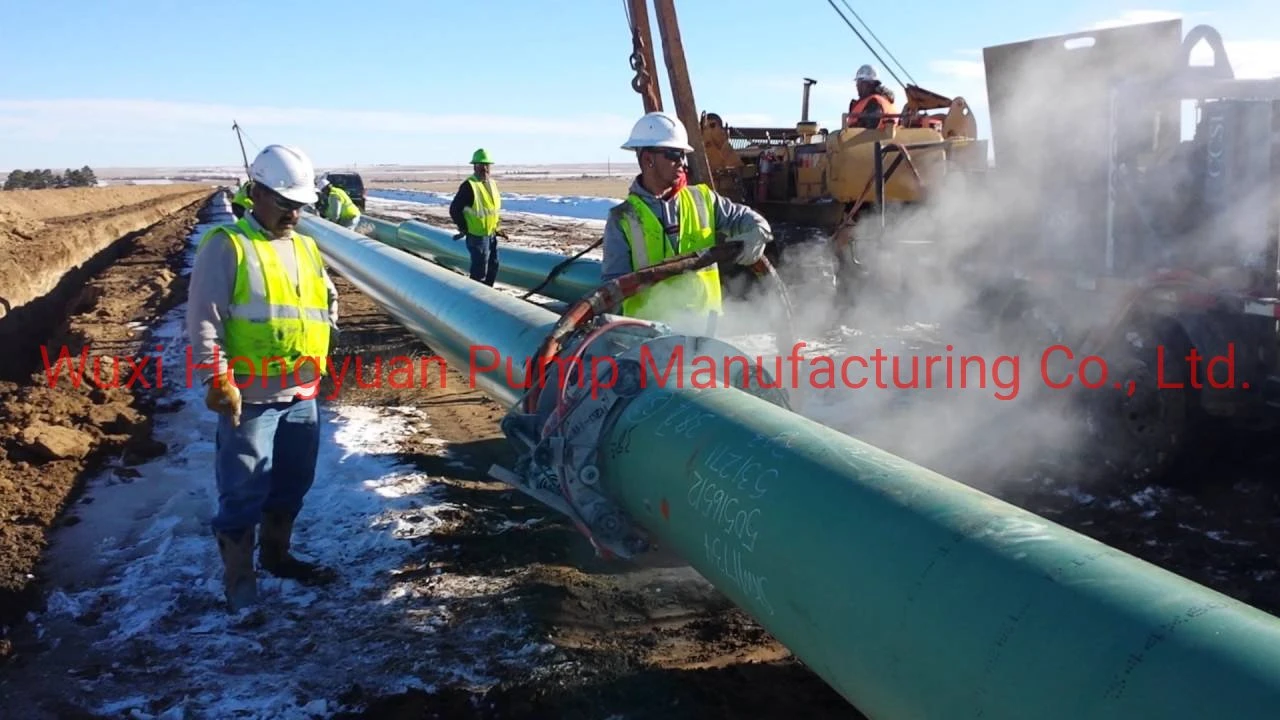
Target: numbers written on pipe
<point>735,518</point>
<point>683,422</point>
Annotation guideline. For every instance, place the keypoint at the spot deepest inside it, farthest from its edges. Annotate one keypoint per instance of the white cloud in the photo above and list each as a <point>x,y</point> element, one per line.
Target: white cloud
<point>148,116</point>
<point>127,132</point>
<point>1135,17</point>
<point>963,70</point>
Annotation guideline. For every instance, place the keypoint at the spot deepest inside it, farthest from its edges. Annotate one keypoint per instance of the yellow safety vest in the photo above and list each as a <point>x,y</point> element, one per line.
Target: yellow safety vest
<point>700,291</point>
<point>482,215</point>
<point>340,207</point>
<point>271,323</point>
<point>242,197</point>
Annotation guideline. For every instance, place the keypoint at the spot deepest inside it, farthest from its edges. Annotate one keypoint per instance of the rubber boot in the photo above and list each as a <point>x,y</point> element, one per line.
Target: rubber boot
<point>274,557</point>
<point>239,581</point>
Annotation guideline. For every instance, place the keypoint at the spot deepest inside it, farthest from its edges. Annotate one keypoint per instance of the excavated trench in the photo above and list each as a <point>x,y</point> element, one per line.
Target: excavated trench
<point>53,434</point>
<point>25,330</point>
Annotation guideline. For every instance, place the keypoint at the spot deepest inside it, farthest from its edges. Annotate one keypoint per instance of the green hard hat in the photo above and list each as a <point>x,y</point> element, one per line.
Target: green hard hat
<point>481,157</point>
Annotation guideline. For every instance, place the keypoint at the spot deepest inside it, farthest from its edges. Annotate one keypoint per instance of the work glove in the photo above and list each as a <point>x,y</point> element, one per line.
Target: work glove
<point>503,234</point>
<point>753,242</point>
<point>459,236</point>
<point>223,397</point>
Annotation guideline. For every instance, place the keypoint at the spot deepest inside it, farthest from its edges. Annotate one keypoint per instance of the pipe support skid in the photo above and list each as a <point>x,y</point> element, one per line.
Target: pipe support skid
<point>914,596</point>
<point>517,266</point>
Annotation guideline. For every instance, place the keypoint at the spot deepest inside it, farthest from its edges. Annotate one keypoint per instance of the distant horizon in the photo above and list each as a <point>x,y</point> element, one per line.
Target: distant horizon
<point>603,167</point>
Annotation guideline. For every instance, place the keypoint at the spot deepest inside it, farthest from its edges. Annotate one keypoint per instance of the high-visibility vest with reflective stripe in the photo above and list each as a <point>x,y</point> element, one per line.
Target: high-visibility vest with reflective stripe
<point>690,292</point>
<point>242,197</point>
<point>340,207</point>
<point>482,214</point>
<point>888,112</point>
<point>272,324</point>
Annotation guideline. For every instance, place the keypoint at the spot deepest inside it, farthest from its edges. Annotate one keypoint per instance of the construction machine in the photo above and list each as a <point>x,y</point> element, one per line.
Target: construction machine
<point>1119,240</point>
<point>810,181</point>
<point>816,177</point>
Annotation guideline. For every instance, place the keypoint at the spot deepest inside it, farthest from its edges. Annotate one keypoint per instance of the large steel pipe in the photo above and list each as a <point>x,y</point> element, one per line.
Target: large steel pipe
<point>461,320</point>
<point>521,267</point>
<point>913,595</point>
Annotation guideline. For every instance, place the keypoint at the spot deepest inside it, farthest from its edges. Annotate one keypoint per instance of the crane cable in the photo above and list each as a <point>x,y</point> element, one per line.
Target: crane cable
<point>868,45</point>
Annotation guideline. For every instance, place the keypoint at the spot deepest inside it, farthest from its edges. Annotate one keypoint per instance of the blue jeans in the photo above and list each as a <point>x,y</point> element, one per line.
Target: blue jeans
<point>484,258</point>
<point>267,464</point>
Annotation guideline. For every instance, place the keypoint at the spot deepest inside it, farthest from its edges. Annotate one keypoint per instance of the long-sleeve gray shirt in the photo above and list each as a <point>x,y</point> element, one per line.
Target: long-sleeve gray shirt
<point>731,219</point>
<point>213,278</point>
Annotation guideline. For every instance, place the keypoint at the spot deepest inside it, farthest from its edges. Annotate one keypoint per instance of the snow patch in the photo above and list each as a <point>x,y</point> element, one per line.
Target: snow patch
<point>136,597</point>
<point>578,206</point>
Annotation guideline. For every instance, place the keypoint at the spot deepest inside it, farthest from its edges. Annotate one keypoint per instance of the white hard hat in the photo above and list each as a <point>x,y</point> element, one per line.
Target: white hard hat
<point>657,129</point>
<point>866,72</point>
<point>322,181</point>
<point>286,170</point>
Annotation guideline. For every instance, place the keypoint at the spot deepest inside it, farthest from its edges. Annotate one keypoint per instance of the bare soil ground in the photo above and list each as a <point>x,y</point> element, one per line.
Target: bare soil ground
<point>44,232</point>
<point>52,432</point>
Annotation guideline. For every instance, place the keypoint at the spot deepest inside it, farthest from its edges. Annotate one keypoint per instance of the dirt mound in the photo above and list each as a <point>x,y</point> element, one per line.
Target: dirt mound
<point>52,433</point>
<point>46,205</point>
<point>49,235</point>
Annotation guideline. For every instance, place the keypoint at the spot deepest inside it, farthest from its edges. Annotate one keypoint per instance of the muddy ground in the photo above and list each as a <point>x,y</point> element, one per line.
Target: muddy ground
<point>630,640</point>
<point>52,432</point>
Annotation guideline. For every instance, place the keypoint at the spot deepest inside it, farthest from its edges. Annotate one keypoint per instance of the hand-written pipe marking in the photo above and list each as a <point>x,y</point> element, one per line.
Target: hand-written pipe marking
<point>1121,682</point>
<point>646,406</point>
<point>683,421</point>
<point>717,505</point>
<point>776,444</point>
<point>741,471</point>
<point>728,560</point>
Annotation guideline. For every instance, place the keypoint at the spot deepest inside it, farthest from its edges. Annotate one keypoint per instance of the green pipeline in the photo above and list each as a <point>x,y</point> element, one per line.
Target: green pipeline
<point>517,266</point>
<point>915,596</point>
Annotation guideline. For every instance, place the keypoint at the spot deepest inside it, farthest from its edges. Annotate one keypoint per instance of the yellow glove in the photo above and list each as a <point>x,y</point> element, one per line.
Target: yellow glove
<point>224,397</point>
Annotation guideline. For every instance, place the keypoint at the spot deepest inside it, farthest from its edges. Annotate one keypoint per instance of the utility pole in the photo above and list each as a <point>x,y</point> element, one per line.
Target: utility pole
<point>682,90</point>
<point>236,126</point>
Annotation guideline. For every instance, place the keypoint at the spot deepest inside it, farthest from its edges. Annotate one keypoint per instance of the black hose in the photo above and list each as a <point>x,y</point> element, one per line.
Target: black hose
<point>555,271</point>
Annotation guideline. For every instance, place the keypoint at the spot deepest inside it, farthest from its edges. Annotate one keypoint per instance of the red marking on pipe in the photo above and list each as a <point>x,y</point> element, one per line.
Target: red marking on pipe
<point>666,510</point>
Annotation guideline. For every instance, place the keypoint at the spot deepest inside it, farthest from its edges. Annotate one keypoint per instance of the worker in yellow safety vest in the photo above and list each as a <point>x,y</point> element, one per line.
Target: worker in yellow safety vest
<point>260,311</point>
<point>240,204</point>
<point>338,206</point>
<point>476,210</point>
<point>664,216</point>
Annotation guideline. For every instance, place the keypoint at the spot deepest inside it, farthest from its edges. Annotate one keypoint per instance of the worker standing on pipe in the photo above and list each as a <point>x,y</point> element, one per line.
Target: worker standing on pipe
<point>262,306</point>
<point>240,204</point>
<point>338,205</point>
<point>475,210</point>
<point>664,216</point>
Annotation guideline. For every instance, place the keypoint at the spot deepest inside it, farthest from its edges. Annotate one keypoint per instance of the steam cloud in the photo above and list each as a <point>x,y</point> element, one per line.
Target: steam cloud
<point>1043,207</point>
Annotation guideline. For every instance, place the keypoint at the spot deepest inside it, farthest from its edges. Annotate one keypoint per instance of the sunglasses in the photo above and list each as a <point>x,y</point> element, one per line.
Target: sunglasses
<point>284,203</point>
<point>671,154</point>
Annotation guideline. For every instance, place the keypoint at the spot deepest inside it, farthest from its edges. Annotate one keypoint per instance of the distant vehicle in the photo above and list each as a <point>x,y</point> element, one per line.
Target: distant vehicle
<point>352,183</point>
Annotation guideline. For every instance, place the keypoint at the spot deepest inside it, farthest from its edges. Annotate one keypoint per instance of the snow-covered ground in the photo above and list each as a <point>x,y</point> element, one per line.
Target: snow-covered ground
<point>138,578</point>
<point>591,208</point>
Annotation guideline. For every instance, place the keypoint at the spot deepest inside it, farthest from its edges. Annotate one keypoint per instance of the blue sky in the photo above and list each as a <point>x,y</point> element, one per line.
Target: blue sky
<point>146,82</point>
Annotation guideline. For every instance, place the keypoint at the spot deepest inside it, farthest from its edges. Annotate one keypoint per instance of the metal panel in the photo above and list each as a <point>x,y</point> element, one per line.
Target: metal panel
<point>1049,103</point>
